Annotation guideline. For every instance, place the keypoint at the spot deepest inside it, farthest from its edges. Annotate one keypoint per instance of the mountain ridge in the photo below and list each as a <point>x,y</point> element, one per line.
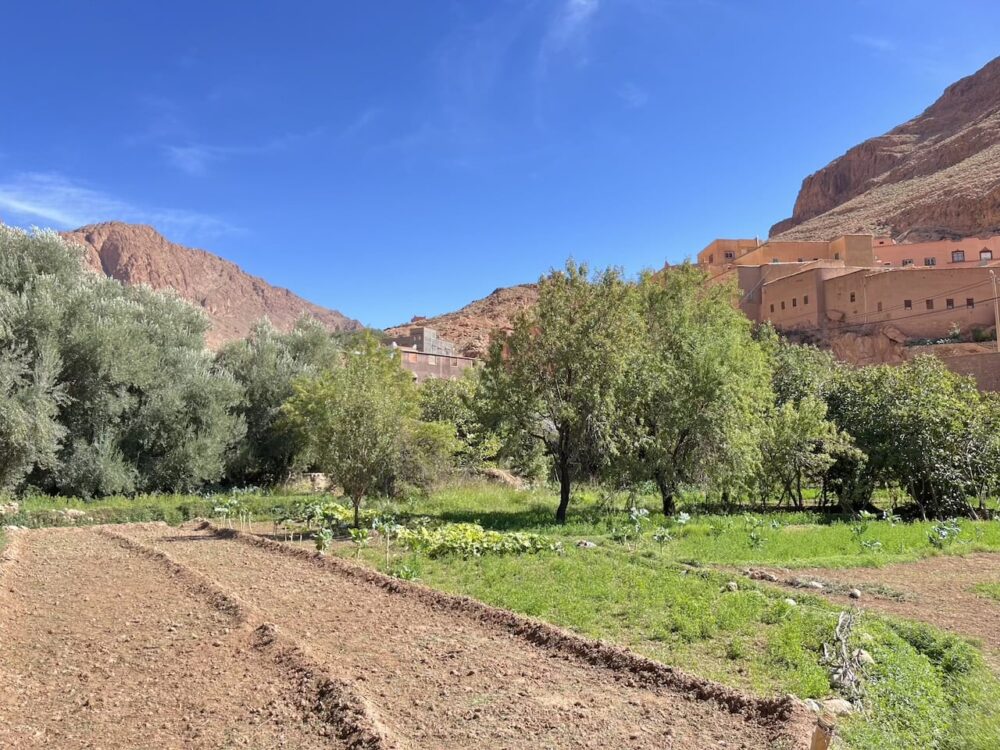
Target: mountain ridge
<point>936,176</point>
<point>233,299</point>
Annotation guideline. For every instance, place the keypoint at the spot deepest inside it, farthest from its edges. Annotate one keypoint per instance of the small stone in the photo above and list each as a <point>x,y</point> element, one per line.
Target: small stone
<point>863,657</point>
<point>838,707</point>
<point>585,544</point>
<point>791,602</point>
<point>854,593</point>
<point>814,706</point>
<point>816,585</point>
<point>732,586</point>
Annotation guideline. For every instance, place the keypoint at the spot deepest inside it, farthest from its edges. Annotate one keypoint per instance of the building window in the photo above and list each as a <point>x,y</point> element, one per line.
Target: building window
<point>930,261</point>
<point>958,256</point>
<point>836,256</point>
<point>985,254</point>
<point>782,304</point>
<point>930,304</point>
<point>907,304</point>
<point>805,299</point>
<point>907,261</point>
<point>880,307</point>
<point>853,296</point>
<point>795,301</point>
<point>970,302</point>
<point>800,260</point>
<point>711,259</point>
<point>950,304</point>
<point>772,308</point>
<point>730,255</point>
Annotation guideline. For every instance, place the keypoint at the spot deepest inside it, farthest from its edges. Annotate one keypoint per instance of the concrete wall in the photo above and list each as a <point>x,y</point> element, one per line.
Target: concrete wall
<point>941,252</point>
<point>882,296</point>
<point>798,301</point>
<point>424,366</point>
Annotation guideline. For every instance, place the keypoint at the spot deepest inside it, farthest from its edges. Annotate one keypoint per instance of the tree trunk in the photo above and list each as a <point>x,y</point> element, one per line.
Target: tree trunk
<point>564,488</point>
<point>667,494</point>
<point>357,512</point>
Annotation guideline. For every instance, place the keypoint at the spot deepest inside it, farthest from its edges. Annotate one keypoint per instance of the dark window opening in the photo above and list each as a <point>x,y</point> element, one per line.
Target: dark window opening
<point>950,304</point>
<point>853,296</point>
<point>907,261</point>
<point>970,302</point>
<point>930,304</point>
<point>958,256</point>
<point>880,307</point>
<point>930,261</point>
<point>772,308</point>
<point>795,301</point>
<point>907,304</point>
<point>782,304</point>
<point>805,299</point>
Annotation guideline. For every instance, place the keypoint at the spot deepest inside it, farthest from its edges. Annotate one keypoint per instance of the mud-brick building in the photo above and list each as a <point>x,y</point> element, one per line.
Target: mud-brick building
<point>924,290</point>
<point>425,354</point>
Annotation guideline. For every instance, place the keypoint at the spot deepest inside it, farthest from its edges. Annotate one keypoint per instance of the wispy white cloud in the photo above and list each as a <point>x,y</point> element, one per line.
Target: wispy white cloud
<point>633,95</point>
<point>877,43</point>
<point>55,200</point>
<point>196,158</point>
<point>568,29</point>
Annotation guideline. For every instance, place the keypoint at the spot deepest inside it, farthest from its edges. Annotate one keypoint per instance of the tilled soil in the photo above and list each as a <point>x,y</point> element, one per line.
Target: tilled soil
<point>100,649</point>
<point>936,590</point>
<point>166,638</point>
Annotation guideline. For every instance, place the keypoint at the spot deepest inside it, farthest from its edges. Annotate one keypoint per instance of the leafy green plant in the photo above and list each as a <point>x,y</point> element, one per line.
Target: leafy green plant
<point>324,537</point>
<point>471,540</point>
<point>360,538</point>
<point>943,534</point>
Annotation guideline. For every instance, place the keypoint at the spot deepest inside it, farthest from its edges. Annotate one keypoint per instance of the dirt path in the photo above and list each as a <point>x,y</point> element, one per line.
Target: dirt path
<point>100,649</point>
<point>158,640</point>
<point>935,590</point>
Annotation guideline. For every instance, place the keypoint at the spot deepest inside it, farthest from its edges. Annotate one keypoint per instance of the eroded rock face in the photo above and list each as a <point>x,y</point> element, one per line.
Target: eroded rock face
<point>936,176</point>
<point>233,299</point>
<point>471,327</point>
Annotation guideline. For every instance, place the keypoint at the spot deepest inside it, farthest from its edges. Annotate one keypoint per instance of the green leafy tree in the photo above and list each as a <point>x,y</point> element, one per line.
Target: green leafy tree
<point>354,418</point>
<point>914,423</point>
<point>699,388</point>
<point>557,379</point>
<point>454,402</point>
<point>799,446</point>
<point>113,381</point>
<point>265,364</point>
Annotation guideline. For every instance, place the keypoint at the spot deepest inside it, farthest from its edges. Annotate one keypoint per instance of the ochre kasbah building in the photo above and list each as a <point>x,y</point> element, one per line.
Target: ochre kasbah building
<point>924,290</point>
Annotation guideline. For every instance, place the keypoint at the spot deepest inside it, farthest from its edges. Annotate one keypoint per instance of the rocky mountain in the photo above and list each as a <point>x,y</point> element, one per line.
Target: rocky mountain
<point>470,328</point>
<point>934,177</point>
<point>233,299</point>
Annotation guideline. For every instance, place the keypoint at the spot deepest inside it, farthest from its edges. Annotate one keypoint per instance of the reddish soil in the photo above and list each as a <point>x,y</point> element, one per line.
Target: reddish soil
<point>935,590</point>
<point>147,636</point>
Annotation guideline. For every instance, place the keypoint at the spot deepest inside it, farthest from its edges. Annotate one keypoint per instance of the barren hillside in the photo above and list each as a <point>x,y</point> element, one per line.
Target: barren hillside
<point>934,177</point>
<point>233,299</point>
<point>472,326</point>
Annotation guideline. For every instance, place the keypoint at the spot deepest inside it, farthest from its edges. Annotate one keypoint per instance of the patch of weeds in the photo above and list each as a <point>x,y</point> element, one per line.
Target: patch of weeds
<point>985,590</point>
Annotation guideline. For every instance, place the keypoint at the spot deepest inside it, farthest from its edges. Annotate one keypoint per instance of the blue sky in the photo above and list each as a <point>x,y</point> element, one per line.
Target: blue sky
<point>392,158</point>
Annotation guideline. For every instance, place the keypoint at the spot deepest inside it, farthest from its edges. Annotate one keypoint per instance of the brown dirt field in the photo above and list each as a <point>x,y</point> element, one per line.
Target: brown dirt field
<point>100,649</point>
<point>935,590</point>
<point>185,638</point>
